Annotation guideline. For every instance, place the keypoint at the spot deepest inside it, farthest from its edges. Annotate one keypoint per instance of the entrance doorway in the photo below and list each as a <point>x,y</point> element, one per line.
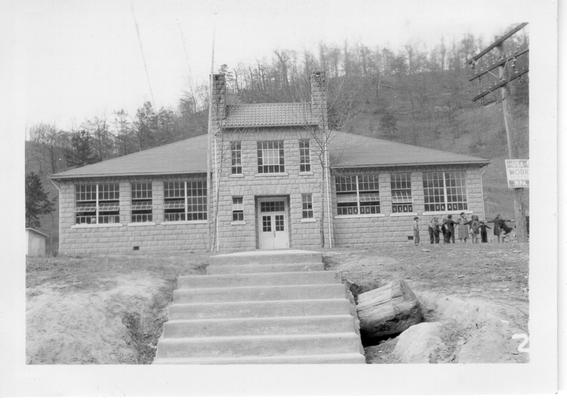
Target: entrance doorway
<point>273,223</point>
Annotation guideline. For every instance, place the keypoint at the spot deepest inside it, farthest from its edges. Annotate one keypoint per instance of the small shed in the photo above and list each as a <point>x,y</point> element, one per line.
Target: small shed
<point>36,242</point>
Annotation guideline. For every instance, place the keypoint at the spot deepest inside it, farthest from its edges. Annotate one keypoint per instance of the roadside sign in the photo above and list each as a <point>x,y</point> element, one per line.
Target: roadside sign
<point>517,173</point>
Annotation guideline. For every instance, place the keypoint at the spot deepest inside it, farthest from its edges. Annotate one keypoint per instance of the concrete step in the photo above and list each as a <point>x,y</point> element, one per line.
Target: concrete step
<point>252,293</point>
<point>265,345</point>
<point>262,279</point>
<point>266,257</point>
<point>338,358</point>
<point>246,309</point>
<point>261,268</point>
<point>258,326</point>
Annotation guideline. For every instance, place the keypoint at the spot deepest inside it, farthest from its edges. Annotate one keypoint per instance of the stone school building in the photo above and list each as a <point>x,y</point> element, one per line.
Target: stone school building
<point>268,176</point>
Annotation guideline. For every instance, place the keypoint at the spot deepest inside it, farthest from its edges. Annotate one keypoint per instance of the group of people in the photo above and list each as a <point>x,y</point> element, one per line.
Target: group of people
<point>463,228</point>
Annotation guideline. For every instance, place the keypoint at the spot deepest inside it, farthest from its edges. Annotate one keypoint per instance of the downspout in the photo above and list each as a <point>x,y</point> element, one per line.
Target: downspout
<point>328,195</point>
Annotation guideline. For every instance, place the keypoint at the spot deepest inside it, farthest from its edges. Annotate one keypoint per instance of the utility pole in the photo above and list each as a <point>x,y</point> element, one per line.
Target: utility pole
<point>501,84</point>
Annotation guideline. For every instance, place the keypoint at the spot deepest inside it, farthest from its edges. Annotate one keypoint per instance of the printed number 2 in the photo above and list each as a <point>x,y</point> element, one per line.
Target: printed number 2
<point>524,342</point>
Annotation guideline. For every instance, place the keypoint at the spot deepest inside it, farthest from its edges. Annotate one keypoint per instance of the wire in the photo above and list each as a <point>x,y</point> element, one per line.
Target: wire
<point>184,45</point>
<point>142,53</point>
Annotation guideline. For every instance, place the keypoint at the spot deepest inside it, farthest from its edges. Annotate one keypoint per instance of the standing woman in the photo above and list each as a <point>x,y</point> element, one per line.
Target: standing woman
<point>463,228</point>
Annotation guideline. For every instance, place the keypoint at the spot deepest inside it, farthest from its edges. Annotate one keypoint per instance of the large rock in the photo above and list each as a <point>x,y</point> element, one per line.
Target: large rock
<point>387,310</point>
<point>420,343</point>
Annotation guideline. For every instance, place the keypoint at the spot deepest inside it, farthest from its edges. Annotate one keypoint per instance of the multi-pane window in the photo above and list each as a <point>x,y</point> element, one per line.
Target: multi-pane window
<point>304,156</point>
<point>97,203</point>
<point>141,202</point>
<point>185,200</point>
<point>272,206</point>
<point>357,194</point>
<point>279,220</point>
<point>236,158</point>
<point>307,205</point>
<point>444,191</point>
<point>237,209</point>
<point>401,192</point>
<point>266,223</point>
<point>271,156</point>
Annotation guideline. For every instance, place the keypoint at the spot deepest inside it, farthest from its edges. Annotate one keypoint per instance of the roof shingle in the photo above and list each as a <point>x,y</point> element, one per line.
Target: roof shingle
<point>346,151</point>
<point>184,156</point>
<point>268,115</point>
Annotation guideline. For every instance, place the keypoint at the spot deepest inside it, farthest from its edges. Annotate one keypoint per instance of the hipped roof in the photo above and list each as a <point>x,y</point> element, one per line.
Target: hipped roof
<point>346,151</point>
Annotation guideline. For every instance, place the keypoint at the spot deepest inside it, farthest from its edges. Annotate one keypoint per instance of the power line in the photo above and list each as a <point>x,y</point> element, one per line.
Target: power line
<point>142,53</point>
<point>501,84</point>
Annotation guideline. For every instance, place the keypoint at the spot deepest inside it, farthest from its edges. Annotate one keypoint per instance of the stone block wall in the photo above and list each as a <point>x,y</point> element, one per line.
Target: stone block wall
<point>388,227</point>
<point>123,237</point>
<point>251,185</point>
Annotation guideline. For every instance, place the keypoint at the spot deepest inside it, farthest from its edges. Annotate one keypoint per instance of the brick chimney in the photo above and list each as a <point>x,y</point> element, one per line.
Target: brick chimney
<point>218,97</point>
<point>319,97</point>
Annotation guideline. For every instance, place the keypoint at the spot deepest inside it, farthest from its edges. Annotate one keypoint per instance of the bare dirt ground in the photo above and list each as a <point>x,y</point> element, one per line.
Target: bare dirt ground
<point>478,292</point>
<point>111,309</point>
<point>96,309</point>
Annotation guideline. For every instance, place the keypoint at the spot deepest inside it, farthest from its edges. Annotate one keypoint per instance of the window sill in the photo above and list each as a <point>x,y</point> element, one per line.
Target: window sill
<point>305,220</point>
<point>184,222</point>
<point>236,176</point>
<point>82,226</point>
<point>402,214</point>
<point>273,174</point>
<point>238,223</point>
<point>141,223</point>
<point>309,173</point>
<point>359,216</point>
<point>457,212</point>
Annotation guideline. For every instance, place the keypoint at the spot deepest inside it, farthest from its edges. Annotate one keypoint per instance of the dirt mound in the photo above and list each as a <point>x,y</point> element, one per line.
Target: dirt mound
<point>458,330</point>
<point>98,326</point>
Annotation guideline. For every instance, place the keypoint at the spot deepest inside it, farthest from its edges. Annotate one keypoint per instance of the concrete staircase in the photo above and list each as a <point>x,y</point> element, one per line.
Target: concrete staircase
<point>261,307</point>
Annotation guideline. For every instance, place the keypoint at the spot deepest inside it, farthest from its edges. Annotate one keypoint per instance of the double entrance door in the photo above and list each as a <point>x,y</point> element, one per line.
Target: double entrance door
<point>273,222</point>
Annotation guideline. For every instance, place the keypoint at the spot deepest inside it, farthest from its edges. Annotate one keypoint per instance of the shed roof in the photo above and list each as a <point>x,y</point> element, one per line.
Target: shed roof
<point>268,115</point>
<point>347,150</point>
<point>37,232</point>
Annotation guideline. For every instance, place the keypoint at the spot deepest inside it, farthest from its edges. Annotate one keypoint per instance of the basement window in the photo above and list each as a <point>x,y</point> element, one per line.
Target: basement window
<point>400,184</point>
<point>444,191</point>
<point>185,200</point>
<point>97,203</point>
<point>141,202</point>
<point>357,194</point>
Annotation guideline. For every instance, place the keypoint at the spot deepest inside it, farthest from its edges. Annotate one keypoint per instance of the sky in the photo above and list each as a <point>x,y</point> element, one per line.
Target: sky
<point>81,59</point>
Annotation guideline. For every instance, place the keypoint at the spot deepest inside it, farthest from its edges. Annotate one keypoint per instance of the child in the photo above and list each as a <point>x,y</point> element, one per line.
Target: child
<point>475,228</point>
<point>449,231</point>
<point>433,229</point>
<point>463,228</point>
<point>483,232</point>
<point>416,230</point>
